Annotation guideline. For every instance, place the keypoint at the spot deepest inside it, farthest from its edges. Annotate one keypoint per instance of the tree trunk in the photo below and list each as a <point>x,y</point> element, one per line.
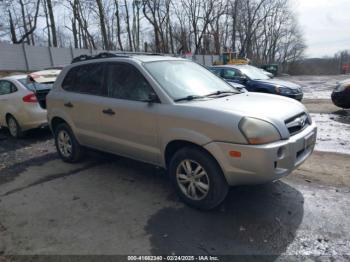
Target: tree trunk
<point>24,21</point>
<point>118,24</point>
<point>47,23</point>
<point>128,24</point>
<point>102,24</point>
<point>52,22</point>
<point>12,29</point>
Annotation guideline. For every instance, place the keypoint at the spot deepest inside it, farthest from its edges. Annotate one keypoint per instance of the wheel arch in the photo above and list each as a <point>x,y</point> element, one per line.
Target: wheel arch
<point>175,145</point>
<point>56,121</point>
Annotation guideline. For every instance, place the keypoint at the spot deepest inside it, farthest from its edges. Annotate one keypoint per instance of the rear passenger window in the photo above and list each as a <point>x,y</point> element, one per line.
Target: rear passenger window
<point>126,82</point>
<point>87,79</point>
<point>7,87</point>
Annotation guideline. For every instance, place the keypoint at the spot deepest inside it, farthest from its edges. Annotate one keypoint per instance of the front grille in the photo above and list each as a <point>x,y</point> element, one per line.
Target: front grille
<point>297,123</point>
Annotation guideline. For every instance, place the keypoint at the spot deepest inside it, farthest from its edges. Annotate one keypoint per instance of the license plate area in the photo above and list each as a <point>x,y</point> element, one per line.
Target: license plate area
<point>309,140</point>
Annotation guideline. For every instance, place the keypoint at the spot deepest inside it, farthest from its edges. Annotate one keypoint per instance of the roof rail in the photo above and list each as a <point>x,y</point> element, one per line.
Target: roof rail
<point>138,53</point>
<point>81,58</point>
<point>110,55</point>
<point>98,56</point>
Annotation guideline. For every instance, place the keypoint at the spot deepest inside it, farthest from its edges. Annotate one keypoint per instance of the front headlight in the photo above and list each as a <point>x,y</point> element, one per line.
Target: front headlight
<point>258,131</point>
<point>282,90</point>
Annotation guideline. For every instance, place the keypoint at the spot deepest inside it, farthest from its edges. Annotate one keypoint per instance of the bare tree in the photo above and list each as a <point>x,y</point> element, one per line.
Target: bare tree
<point>27,32</point>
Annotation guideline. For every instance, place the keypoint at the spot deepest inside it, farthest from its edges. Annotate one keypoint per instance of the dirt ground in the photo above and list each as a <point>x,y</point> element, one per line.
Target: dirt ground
<point>110,205</point>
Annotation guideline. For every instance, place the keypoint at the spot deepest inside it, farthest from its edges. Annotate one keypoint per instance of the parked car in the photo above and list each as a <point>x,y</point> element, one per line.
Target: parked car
<point>256,81</point>
<point>341,94</point>
<point>175,114</point>
<point>23,101</point>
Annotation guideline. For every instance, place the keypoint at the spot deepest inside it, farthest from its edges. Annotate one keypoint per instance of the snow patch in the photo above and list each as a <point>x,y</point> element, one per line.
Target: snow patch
<point>333,132</point>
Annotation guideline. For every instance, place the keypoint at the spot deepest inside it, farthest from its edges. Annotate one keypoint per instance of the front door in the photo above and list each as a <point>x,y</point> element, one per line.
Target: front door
<point>128,121</point>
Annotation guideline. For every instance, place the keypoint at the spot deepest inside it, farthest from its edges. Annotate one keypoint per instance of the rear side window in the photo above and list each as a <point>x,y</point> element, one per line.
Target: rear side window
<point>124,81</point>
<point>87,79</point>
<point>7,87</point>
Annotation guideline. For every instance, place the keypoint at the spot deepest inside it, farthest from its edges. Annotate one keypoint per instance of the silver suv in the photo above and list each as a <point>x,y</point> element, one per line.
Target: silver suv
<point>176,114</point>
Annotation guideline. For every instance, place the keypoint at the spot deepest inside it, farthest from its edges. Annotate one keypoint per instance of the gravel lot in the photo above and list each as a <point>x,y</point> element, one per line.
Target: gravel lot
<point>111,205</point>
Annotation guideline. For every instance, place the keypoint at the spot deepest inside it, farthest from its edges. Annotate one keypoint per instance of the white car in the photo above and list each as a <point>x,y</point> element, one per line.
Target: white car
<point>23,101</point>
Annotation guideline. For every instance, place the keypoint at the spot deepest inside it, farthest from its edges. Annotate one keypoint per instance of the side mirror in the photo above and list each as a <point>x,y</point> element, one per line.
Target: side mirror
<point>152,98</point>
<point>243,79</point>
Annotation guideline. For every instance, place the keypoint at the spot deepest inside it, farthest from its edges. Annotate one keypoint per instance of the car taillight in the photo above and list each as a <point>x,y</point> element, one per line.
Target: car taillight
<point>31,98</point>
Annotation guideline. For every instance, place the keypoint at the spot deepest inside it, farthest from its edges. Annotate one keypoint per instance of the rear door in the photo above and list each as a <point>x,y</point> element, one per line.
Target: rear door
<point>82,101</point>
<point>128,121</point>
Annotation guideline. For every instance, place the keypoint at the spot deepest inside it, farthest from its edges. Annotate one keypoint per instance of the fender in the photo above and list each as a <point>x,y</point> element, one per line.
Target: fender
<point>187,135</point>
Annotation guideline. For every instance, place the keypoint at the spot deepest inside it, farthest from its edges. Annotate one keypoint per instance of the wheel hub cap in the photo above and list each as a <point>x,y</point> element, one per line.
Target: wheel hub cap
<point>64,143</point>
<point>12,127</point>
<point>192,179</point>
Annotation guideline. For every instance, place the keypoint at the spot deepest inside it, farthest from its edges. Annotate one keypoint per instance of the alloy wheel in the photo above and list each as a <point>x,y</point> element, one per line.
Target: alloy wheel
<point>192,179</point>
<point>64,143</point>
<point>12,125</point>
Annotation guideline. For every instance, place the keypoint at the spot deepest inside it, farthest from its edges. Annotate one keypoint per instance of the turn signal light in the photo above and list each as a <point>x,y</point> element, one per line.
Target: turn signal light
<point>235,154</point>
<point>31,98</point>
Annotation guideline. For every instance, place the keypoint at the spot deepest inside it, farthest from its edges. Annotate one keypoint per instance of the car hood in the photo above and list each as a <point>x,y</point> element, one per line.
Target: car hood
<point>272,108</point>
<point>278,82</point>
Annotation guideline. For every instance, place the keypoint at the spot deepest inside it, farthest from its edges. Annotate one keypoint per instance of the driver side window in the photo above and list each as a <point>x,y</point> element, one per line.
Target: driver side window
<point>124,81</point>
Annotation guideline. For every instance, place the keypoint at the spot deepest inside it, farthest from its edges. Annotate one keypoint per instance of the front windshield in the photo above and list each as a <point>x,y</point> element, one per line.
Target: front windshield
<point>33,86</point>
<point>253,73</point>
<point>184,78</point>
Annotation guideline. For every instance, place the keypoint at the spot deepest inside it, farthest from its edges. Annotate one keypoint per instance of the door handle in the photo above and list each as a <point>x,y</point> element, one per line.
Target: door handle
<point>69,104</point>
<point>108,111</point>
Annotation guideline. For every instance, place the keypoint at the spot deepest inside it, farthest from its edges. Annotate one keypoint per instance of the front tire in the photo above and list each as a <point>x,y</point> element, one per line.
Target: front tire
<point>67,146</point>
<point>198,178</point>
<point>15,129</point>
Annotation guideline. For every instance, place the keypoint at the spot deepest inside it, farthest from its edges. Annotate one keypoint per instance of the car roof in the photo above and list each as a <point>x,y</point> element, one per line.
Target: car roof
<point>139,58</point>
<point>230,66</point>
<point>15,77</point>
<point>155,58</point>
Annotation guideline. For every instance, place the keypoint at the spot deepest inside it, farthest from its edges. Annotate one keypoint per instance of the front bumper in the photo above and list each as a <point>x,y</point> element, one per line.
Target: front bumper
<point>298,97</point>
<point>263,163</point>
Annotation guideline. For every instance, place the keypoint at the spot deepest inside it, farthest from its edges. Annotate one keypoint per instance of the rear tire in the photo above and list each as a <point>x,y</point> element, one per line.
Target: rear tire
<point>198,178</point>
<point>67,145</point>
<point>14,128</point>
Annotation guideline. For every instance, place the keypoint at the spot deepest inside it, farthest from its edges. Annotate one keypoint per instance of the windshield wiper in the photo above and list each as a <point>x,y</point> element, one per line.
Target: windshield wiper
<point>188,98</point>
<point>217,93</point>
<point>193,97</point>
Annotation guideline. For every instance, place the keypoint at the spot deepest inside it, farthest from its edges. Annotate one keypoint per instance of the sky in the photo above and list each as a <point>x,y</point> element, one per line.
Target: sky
<point>325,24</point>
